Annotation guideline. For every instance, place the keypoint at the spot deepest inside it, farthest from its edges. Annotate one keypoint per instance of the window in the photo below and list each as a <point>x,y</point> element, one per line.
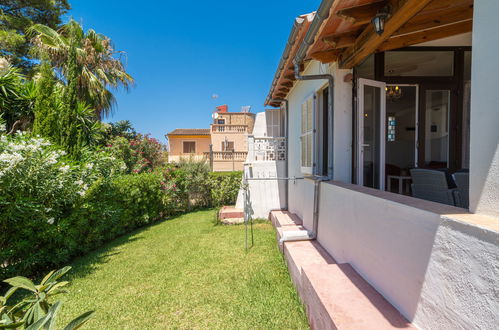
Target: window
<point>273,119</point>
<point>419,63</point>
<point>227,145</point>
<point>307,136</point>
<point>189,147</point>
<point>221,121</point>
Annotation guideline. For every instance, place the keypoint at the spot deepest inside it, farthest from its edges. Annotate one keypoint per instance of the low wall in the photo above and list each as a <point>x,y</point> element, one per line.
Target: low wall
<point>265,195</point>
<point>227,166</point>
<point>437,271</point>
<point>301,200</point>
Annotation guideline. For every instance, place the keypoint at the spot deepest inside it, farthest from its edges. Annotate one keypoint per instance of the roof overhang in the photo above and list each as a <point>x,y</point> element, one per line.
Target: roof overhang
<point>347,36</point>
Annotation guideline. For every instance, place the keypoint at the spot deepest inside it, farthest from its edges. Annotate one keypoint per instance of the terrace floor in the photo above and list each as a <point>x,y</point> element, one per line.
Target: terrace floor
<point>186,273</point>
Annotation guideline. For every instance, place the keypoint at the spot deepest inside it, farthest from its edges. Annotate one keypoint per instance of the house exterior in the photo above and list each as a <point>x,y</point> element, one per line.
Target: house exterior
<point>266,160</point>
<point>188,143</point>
<point>366,106</point>
<point>229,138</point>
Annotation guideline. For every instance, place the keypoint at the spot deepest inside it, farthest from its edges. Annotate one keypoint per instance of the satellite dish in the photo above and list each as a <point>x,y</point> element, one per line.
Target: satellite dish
<point>246,108</point>
<point>215,115</point>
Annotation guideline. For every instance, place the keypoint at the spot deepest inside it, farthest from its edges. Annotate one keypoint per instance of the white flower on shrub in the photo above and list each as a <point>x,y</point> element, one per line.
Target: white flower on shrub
<point>90,166</point>
<point>4,65</point>
<point>79,182</point>
<point>48,209</point>
<point>51,221</point>
<point>11,158</point>
<point>3,127</point>
<point>64,169</point>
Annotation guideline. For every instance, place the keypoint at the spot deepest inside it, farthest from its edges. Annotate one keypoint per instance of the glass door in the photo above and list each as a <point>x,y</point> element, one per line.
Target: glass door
<point>371,133</point>
<point>437,132</point>
<point>401,128</point>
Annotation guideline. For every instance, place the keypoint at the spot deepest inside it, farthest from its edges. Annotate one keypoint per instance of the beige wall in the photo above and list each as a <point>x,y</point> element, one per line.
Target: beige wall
<point>227,166</point>
<point>176,144</point>
<point>239,118</point>
<point>240,140</point>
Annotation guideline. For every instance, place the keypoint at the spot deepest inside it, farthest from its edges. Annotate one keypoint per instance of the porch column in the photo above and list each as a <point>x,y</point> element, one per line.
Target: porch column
<point>484,155</point>
<point>342,125</point>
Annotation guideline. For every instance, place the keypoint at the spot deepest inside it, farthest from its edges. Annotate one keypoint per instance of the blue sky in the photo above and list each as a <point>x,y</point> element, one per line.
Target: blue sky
<point>181,53</point>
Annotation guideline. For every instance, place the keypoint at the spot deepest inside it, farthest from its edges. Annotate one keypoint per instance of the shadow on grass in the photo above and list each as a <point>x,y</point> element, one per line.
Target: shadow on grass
<point>86,264</point>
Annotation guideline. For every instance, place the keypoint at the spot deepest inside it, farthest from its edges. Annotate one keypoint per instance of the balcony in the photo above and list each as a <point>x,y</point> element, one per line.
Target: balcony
<point>219,128</point>
<point>229,156</point>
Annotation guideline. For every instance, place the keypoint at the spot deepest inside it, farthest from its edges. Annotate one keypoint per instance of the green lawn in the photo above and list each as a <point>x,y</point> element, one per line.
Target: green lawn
<point>186,273</point>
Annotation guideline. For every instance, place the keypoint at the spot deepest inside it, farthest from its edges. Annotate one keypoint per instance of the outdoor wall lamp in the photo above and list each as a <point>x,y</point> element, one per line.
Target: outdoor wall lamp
<point>378,21</point>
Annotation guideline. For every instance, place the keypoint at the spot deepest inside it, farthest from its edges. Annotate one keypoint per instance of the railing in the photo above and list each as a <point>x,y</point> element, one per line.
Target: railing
<point>267,148</point>
<point>218,156</point>
<point>218,128</point>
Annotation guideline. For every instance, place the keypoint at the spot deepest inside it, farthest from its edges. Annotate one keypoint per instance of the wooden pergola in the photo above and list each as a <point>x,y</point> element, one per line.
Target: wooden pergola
<point>348,37</point>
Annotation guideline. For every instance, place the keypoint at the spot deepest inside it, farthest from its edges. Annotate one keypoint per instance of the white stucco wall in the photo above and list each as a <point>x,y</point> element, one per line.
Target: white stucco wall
<point>436,271</point>
<point>265,195</point>
<point>301,192</point>
<point>484,155</point>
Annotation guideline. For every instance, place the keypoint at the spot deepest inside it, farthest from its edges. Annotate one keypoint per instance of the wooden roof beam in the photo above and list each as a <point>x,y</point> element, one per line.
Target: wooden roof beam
<point>361,14</point>
<point>341,40</point>
<point>426,35</point>
<point>326,56</point>
<point>369,41</point>
<point>430,20</point>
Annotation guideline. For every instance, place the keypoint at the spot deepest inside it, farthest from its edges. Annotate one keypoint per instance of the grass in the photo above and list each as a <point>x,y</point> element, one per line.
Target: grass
<point>186,273</point>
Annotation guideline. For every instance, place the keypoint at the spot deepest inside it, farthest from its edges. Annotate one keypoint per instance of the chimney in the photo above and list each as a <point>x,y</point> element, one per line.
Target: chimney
<point>223,108</point>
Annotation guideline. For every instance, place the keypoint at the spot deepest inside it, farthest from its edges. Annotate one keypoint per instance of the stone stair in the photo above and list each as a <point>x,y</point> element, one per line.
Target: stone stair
<point>231,215</point>
<point>335,295</point>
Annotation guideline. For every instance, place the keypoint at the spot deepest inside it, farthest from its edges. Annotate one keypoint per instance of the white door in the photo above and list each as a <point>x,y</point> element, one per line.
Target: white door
<point>371,133</point>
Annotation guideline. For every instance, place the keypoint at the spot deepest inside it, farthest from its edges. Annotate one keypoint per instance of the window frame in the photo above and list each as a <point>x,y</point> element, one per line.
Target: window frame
<point>183,147</point>
<point>228,149</point>
<point>307,167</point>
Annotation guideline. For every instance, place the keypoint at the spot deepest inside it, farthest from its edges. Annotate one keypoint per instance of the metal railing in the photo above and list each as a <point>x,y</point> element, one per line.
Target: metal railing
<point>248,210</point>
<point>222,128</point>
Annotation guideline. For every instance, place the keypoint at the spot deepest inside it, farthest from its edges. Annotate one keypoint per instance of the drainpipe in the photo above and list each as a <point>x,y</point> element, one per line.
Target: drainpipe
<point>286,127</point>
<point>321,14</point>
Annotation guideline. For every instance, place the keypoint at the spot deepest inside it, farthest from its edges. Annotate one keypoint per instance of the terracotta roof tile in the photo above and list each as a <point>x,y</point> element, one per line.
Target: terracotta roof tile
<point>190,131</point>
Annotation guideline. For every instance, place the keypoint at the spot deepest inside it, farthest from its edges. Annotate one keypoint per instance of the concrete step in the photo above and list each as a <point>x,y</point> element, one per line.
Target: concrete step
<point>232,221</point>
<point>284,218</point>
<point>230,212</point>
<point>337,297</point>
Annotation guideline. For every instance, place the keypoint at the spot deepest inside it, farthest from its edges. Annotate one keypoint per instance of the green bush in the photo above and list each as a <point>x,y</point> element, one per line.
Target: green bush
<point>224,187</point>
<point>53,208</point>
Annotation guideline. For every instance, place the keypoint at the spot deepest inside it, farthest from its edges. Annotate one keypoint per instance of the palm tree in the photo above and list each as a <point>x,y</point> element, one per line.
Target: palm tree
<point>17,97</point>
<point>101,65</point>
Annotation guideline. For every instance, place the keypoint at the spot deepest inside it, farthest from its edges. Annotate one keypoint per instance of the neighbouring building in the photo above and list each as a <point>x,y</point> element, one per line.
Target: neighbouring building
<point>188,143</point>
<point>229,139</point>
<point>392,167</point>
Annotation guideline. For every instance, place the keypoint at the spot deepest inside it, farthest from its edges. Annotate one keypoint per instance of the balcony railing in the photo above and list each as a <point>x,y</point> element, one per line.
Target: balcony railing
<point>221,156</point>
<point>218,128</point>
<point>266,148</point>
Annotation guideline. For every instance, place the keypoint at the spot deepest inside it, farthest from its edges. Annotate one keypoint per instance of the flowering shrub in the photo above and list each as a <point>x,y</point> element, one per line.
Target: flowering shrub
<point>53,208</point>
<point>39,187</point>
<point>141,154</point>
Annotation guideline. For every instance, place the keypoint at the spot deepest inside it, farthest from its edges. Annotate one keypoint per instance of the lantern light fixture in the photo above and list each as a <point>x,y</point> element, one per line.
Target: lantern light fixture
<point>379,20</point>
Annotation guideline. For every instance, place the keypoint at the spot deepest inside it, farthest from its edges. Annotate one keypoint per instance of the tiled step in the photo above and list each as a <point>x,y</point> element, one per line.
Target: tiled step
<point>230,212</point>
<point>301,254</point>
<point>284,218</point>
<point>337,297</point>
